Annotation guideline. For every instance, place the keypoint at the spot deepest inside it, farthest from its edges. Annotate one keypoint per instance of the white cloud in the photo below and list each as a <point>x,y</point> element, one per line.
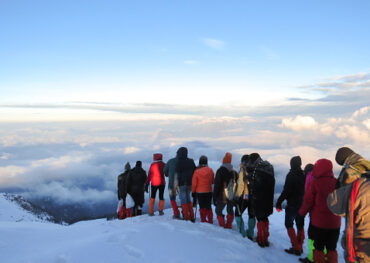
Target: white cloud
<point>213,43</point>
<point>367,123</point>
<point>191,62</point>
<point>362,111</point>
<point>299,123</point>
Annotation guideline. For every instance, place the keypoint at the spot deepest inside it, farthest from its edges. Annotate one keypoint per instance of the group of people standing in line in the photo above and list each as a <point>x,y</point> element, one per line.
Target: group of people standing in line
<point>313,190</point>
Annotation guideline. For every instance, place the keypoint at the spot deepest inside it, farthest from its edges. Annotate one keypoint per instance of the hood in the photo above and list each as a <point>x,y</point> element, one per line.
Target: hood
<point>295,163</point>
<point>323,168</point>
<point>254,159</point>
<point>157,157</point>
<point>127,166</point>
<point>182,153</point>
<point>138,164</point>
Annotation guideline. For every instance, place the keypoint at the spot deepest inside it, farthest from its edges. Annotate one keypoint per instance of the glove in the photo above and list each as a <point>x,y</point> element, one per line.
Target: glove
<point>246,197</point>
<point>147,188</point>
<point>278,209</point>
<point>214,202</point>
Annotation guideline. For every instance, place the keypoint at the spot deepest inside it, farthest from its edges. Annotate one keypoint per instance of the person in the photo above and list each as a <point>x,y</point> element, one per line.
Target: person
<point>156,178</point>
<point>224,175</point>
<point>308,175</point>
<point>185,170</point>
<point>122,189</point>
<point>201,187</point>
<point>241,195</point>
<point>170,172</point>
<point>262,179</point>
<point>293,192</point>
<point>136,185</point>
<point>351,199</point>
<point>325,225</point>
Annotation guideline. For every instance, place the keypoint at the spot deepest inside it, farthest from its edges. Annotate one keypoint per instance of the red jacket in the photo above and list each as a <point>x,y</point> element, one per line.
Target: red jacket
<point>156,175</point>
<point>322,184</point>
<point>203,180</point>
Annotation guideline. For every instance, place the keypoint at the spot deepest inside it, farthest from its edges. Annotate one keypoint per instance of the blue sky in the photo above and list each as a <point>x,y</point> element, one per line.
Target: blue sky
<point>177,52</point>
<point>86,86</point>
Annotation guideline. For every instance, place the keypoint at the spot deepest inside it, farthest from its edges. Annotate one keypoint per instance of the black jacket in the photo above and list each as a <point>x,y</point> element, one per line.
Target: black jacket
<point>222,178</point>
<point>185,167</point>
<point>122,185</point>
<point>136,181</point>
<point>262,184</point>
<point>293,190</point>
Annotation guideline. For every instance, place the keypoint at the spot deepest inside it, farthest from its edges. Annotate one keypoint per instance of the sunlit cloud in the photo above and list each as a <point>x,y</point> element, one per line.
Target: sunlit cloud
<point>213,43</point>
<point>299,123</point>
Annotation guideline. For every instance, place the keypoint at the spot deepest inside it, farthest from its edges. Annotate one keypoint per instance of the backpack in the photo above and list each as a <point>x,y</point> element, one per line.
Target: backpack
<point>232,187</point>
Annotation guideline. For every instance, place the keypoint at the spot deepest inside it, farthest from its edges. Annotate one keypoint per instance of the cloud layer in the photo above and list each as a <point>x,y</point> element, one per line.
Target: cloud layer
<point>80,161</point>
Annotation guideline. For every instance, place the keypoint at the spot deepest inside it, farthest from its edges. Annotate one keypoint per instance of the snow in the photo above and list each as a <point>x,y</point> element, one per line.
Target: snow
<point>11,211</point>
<point>139,239</point>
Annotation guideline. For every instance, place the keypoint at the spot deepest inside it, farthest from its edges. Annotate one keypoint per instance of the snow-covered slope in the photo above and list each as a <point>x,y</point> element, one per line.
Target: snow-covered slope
<point>140,239</point>
<point>15,209</point>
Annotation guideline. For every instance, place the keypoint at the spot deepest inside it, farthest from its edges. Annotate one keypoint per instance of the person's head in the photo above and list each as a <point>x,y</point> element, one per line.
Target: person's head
<point>245,159</point>
<point>127,166</point>
<point>138,164</point>
<point>203,160</point>
<point>308,168</point>
<point>295,163</point>
<point>227,158</point>
<point>253,158</point>
<point>182,153</point>
<point>342,154</point>
<point>157,157</point>
<point>323,167</point>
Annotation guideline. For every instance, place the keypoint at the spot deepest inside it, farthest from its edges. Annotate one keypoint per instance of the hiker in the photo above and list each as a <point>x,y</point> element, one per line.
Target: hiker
<point>201,188</point>
<point>156,178</point>
<point>170,172</point>
<point>136,185</point>
<point>224,175</point>
<point>351,200</point>
<point>241,195</point>
<point>185,170</point>
<point>293,192</point>
<point>262,180</point>
<point>308,175</point>
<point>122,190</point>
<point>325,225</point>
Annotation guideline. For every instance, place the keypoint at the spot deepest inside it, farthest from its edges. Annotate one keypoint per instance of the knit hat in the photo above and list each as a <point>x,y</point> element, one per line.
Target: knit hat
<point>342,155</point>
<point>127,166</point>
<point>203,160</point>
<point>227,158</point>
<point>138,164</point>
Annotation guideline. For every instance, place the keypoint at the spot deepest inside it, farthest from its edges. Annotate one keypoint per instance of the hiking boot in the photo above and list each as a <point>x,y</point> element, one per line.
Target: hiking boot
<point>176,217</point>
<point>293,251</point>
<point>151,214</point>
<point>161,213</point>
<point>305,260</point>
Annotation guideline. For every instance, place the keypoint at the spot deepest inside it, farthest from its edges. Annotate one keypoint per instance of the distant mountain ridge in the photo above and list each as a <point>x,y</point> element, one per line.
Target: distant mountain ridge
<point>16,208</point>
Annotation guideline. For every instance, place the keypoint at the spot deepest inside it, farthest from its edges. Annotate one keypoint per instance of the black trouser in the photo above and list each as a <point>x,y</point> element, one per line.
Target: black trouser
<point>220,205</point>
<point>325,238</point>
<point>154,191</point>
<point>291,213</point>
<point>139,201</point>
<point>241,205</point>
<point>204,200</point>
